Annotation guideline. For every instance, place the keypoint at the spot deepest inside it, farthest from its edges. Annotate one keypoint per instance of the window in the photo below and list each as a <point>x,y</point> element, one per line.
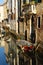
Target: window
<point>26,22</point>
<point>38,22</point>
<point>32,18</point>
<point>38,1</point>
<point>30,0</point>
<point>25,34</point>
<point>24,1</point>
<point>19,7</point>
<point>42,17</point>
<point>12,16</point>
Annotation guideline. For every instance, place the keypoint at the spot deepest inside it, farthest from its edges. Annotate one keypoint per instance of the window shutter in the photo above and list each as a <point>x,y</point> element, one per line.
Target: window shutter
<point>19,7</point>
<point>37,1</point>
<point>38,22</point>
<point>24,1</point>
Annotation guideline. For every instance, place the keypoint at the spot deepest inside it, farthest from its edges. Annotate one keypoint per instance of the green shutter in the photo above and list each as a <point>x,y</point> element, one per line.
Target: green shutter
<point>37,1</point>
<point>24,1</point>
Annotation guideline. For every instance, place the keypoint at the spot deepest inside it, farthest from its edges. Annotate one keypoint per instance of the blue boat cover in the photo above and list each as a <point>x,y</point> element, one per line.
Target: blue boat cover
<point>2,57</point>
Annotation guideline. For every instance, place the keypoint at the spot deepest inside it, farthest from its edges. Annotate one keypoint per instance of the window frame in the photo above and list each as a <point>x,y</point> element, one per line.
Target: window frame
<point>38,22</point>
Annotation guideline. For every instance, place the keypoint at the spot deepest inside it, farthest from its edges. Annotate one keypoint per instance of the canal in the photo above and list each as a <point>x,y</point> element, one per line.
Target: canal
<point>10,54</point>
<point>2,57</point>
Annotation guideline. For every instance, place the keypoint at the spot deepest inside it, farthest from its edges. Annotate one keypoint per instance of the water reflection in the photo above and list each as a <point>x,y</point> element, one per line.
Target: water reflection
<point>11,49</point>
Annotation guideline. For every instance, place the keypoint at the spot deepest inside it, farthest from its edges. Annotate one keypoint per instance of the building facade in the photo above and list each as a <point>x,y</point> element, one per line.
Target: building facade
<point>40,21</point>
<point>24,15</point>
<point>30,19</point>
<point>1,13</point>
<point>12,14</point>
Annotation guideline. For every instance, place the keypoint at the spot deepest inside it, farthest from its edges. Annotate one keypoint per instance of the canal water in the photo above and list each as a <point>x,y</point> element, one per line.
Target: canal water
<point>2,57</point>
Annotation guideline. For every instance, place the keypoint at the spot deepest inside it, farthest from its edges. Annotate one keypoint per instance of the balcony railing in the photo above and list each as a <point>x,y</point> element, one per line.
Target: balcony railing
<point>29,9</point>
<point>29,3</point>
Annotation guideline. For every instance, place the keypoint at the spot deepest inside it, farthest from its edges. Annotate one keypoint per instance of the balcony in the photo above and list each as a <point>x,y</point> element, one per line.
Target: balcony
<point>29,3</point>
<point>31,9</point>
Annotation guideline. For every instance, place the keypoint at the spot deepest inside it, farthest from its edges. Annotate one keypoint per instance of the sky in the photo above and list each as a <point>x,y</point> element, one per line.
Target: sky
<point>1,2</point>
